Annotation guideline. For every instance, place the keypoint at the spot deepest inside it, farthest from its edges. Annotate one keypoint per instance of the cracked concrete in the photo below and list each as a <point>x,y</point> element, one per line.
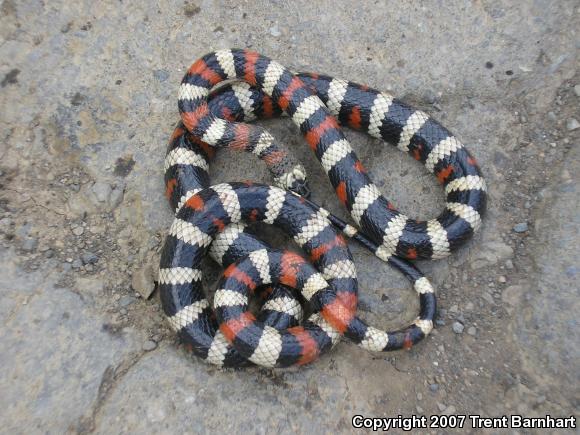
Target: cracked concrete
<point>57,349</point>
<point>87,103</point>
<point>111,377</point>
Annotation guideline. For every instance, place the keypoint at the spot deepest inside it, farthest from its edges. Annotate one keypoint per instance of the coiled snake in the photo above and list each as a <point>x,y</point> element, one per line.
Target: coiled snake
<point>213,218</point>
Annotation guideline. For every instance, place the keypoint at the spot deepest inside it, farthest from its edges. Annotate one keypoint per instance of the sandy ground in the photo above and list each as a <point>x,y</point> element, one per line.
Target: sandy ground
<point>87,103</point>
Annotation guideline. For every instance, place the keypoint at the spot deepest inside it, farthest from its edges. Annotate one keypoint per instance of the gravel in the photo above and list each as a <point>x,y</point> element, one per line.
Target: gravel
<point>457,327</point>
<point>116,197</point>
<point>89,118</point>
<point>102,191</point>
<point>275,31</point>
<point>161,75</point>
<point>77,264</point>
<point>126,300</point>
<point>89,258</point>
<point>149,345</point>
<point>142,280</point>
<point>522,227</point>
<point>29,244</point>
<point>512,296</point>
<point>572,124</point>
<point>490,254</point>
<point>450,410</point>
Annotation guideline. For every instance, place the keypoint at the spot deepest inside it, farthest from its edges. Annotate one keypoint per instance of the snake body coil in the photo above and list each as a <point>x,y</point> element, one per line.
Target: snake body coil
<point>212,218</point>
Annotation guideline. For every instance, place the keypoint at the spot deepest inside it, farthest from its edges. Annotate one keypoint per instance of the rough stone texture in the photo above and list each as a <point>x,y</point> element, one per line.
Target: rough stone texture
<point>88,101</point>
<point>551,341</point>
<point>57,352</point>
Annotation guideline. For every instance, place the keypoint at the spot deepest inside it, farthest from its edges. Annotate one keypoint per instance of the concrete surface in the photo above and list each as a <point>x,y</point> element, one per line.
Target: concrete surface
<point>88,101</point>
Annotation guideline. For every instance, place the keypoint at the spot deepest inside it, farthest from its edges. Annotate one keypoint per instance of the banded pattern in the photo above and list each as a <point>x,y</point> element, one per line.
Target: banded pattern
<point>189,312</point>
<point>210,211</point>
<point>313,102</point>
<point>212,219</point>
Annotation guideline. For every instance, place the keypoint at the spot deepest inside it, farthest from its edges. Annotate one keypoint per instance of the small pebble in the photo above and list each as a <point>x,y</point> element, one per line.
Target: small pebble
<point>430,96</point>
<point>5,223</point>
<point>449,410</point>
<point>89,258</point>
<point>434,387</point>
<point>143,280</point>
<point>509,264</point>
<point>274,31</point>
<point>116,197</point>
<point>77,264</point>
<point>577,90</point>
<point>442,407</point>
<point>502,279</point>
<point>125,301</point>
<point>102,191</point>
<point>472,331</point>
<point>78,231</point>
<point>29,244</point>
<point>123,311</point>
<point>419,410</point>
<point>457,327</point>
<point>149,345</point>
<point>552,116</point>
<point>161,75</point>
<point>572,124</point>
<point>419,396</point>
<point>522,227</point>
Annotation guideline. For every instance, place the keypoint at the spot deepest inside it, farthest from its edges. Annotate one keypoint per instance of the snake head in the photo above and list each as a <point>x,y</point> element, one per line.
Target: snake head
<point>294,180</point>
<point>301,188</point>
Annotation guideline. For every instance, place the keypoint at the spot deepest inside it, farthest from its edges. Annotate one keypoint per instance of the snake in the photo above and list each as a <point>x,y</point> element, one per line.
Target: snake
<point>220,93</point>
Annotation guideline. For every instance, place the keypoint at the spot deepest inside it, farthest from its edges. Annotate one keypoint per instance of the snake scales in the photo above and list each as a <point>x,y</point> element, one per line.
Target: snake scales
<point>212,219</point>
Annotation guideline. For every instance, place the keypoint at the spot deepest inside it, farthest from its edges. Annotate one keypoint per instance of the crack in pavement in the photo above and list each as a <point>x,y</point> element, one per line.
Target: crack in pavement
<point>109,380</point>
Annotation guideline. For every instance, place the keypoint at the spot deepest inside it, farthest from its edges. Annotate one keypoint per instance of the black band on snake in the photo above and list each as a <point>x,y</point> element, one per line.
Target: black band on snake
<point>213,218</point>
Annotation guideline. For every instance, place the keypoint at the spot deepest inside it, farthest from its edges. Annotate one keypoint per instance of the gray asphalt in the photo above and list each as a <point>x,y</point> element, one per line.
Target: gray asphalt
<point>87,104</point>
